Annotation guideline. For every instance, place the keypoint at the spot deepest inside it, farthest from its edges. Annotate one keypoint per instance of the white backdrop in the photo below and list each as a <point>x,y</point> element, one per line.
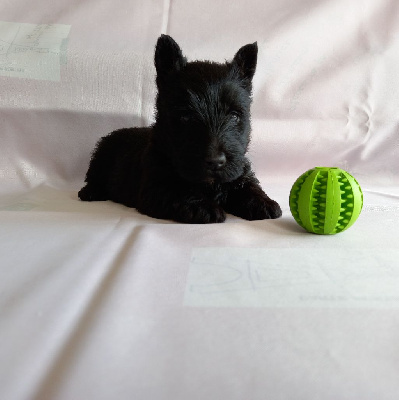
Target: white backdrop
<point>100,302</point>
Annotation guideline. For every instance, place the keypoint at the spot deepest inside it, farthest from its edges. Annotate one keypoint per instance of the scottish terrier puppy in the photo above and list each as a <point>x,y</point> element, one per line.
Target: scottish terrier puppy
<point>191,165</point>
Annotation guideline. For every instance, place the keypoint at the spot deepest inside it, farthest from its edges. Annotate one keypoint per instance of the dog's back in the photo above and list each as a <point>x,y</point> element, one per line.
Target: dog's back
<point>107,172</point>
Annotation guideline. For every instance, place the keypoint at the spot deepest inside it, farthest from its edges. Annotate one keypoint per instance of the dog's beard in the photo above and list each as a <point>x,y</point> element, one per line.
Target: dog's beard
<point>199,174</point>
<point>191,160</point>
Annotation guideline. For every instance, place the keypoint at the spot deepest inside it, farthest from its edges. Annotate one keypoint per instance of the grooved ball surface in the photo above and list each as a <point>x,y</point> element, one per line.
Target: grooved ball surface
<point>326,200</point>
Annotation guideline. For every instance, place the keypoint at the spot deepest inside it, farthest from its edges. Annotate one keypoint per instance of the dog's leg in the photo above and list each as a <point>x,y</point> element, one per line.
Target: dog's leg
<point>177,204</point>
<point>187,210</point>
<point>250,202</point>
<point>90,193</point>
<point>197,211</point>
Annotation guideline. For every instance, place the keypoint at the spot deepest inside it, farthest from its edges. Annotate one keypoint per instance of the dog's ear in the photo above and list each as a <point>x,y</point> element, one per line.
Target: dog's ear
<point>168,56</point>
<point>245,60</point>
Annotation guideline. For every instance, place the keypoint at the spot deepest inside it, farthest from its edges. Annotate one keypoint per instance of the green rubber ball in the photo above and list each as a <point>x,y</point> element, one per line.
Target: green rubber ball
<point>326,200</point>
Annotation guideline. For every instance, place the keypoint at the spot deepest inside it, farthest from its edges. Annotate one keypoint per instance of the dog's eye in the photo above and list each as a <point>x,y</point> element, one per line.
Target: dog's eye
<point>235,116</point>
<point>185,118</point>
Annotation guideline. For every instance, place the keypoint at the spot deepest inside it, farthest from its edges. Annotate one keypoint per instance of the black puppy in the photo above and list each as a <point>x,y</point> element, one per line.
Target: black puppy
<point>190,166</point>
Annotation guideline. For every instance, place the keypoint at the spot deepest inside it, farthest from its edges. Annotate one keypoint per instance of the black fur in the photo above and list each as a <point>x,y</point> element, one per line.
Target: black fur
<point>190,166</point>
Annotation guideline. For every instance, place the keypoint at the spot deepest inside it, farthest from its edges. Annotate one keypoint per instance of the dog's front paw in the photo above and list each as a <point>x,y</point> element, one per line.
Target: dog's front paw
<point>259,207</point>
<point>200,213</point>
<point>254,205</point>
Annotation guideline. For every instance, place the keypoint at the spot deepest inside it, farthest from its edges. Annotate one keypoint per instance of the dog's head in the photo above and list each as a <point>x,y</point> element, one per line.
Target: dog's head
<point>203,112</point>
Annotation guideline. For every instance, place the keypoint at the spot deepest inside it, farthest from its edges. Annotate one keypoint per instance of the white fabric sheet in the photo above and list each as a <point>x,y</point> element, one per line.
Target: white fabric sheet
<point>97,301</point>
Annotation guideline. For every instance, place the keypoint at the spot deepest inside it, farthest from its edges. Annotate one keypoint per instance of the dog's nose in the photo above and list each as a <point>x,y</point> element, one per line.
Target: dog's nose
<point>216,162</point>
